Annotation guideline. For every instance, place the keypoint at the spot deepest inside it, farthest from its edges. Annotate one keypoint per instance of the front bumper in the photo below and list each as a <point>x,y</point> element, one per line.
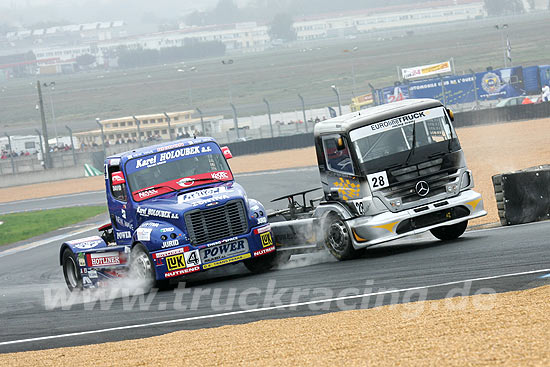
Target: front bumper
<point>186,259</point>
<point>369,231</point>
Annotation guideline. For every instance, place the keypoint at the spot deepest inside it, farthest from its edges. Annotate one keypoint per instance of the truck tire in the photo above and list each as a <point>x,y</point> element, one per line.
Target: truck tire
<point>142,268</point>
<point>71,271</point>
<point>447,233</point>
<point>262,263</point>
<point>338,239</point>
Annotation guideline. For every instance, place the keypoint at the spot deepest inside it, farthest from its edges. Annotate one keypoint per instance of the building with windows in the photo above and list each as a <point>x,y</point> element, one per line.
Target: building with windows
<point>431,12</point>
<point>152,127</point>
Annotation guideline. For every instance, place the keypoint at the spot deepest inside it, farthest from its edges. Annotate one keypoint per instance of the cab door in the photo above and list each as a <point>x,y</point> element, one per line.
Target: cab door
<point>119,206</point>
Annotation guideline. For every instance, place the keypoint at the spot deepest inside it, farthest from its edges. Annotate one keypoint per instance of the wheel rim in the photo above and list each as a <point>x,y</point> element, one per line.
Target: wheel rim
<point>142,266</point>
<point>338,236</point>
<point>70,270</point>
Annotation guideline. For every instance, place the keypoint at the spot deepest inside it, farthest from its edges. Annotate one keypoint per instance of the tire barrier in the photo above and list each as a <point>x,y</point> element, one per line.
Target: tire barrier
<point>523,196</point>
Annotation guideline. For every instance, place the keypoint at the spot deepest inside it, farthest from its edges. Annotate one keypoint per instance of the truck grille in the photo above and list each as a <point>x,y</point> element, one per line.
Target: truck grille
<point>214,224</point>
<point>431,172</point>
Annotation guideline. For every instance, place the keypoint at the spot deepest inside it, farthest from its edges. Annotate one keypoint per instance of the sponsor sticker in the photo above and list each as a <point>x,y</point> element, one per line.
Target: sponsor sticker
<point>144,234</point>
<point>151,212</point>
<point>227,261</point>
<point>92,274</point>
<point>123,235</point>
<point>262,220</point>
<point>168,229</point>
<point>218,252</point>
<point>104,259</point>
<point>182,272</point>
<point>264,251</point>
<point>201,194</point>
<point>266,239</point>
<point>222,175</point>
<point>160,255</point>
<point>176,262</point>
<point>263,229</point>
<point>86,243</point>
<point>170,243</point>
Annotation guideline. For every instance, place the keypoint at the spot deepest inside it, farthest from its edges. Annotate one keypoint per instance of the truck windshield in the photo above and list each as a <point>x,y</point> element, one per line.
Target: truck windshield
<point>396,135</point>
<point>173,170</point>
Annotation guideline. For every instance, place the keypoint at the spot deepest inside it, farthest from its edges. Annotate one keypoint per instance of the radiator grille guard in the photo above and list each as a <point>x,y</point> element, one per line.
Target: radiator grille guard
<point>209,225</point>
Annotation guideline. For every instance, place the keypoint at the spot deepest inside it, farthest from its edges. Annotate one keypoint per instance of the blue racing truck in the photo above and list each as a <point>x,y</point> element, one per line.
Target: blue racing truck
<point>174,209</point>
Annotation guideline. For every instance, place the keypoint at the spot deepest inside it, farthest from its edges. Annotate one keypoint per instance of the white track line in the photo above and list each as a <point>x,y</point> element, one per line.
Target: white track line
<point>45,241</point>
<point>175,321</point>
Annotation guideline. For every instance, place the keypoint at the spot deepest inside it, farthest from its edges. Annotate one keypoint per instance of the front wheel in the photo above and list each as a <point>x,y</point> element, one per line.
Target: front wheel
<point>142,269</point>
<point>447,233</point>
<point>261,264</point>
<point>71,271</point>
<point>338,239</point>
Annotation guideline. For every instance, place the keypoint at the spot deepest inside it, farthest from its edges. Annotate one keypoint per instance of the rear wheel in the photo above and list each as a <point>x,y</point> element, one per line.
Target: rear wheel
<point>447,233</point>
<point>71,271</point>
<point>338,239</point>
<point>142,269</point>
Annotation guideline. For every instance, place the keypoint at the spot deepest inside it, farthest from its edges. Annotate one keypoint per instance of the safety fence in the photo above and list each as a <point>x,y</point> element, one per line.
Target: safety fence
<point>256,141</point>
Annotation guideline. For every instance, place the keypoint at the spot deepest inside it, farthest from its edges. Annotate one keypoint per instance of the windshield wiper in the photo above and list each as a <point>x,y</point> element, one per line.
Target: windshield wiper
<point>413,145</point>
<point>208,179</point>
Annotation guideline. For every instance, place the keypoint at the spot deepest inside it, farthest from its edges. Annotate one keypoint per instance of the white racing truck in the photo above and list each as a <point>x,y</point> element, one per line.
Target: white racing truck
<point>386,172</point>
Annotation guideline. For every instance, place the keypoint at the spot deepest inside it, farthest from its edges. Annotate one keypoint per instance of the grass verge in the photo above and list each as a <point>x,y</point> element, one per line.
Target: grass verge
<point>20,226</point>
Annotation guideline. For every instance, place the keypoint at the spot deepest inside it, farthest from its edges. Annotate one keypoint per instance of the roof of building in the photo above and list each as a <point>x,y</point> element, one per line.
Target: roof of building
<point>345,123</point>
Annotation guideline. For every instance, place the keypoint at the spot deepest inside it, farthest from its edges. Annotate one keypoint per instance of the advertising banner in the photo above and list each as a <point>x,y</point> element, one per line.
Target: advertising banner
<point>394,94</point>
<point>427,70</point>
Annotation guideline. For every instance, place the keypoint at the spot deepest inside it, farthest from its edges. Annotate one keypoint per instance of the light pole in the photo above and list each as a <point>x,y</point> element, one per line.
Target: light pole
<point>138,130</point>
<point>335,89</point>
<point>97,121</point>
<point>352,53</point>
<point>52,88</point>
<point>235,120</point>
<point>46,156</point>
<point>501,28</point>
<point>72,143</point>
<point>169,120</point>
<point>11,154</point>
<point>202,121</point>
<point>303,110</point>
<point>269,116</point>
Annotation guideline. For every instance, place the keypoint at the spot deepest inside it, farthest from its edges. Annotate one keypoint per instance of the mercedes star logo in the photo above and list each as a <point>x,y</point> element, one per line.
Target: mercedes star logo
<point>422,188</point>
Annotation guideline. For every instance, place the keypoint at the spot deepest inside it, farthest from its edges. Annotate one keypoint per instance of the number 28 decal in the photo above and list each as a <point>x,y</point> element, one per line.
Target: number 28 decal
<point>378,180</point>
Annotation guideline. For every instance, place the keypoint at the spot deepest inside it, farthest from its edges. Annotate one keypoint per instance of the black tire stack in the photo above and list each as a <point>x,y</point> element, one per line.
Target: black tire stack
<point>523,196</point>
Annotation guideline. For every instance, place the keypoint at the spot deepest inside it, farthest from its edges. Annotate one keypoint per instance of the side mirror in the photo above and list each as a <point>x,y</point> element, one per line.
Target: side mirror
<point>451,114</point>
<point>117,178</point>
<point>226,153</point>
<point>340,144</point>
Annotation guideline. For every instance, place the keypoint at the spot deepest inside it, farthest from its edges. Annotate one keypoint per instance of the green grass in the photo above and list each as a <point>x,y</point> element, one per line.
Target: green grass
<point>20,226</point>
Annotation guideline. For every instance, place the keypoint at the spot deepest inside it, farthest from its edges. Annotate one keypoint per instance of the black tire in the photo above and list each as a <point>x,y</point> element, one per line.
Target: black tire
<point>447,233</point>
<point>142,268</point>
<point>337,238</point>
<point>71,271</point>
<point>262,263</point>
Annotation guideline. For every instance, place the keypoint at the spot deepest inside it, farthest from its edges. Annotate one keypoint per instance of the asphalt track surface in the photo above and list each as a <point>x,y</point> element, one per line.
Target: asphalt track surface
<point>31,317</point>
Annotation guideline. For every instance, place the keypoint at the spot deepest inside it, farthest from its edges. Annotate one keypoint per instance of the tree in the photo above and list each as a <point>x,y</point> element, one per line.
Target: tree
<point>503,7</point>
<point>281,27</point>
<point>85,60</point>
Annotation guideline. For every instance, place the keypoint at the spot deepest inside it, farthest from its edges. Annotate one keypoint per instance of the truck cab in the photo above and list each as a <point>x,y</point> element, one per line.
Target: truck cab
<point>392,171</point>
<point>175,209</point>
